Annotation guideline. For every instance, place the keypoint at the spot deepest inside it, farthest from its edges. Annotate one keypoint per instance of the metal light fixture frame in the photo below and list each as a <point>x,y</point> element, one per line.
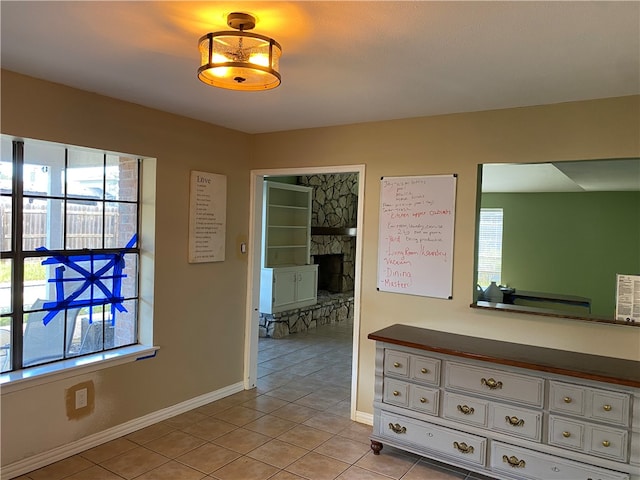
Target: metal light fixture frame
<point>239,73</point>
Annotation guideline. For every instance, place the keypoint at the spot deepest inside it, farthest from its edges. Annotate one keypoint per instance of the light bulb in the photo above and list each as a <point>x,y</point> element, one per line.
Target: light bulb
<point>261,59</point>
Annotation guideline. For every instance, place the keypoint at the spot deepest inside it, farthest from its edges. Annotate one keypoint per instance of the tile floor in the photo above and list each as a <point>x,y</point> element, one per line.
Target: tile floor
<point>294,426</point>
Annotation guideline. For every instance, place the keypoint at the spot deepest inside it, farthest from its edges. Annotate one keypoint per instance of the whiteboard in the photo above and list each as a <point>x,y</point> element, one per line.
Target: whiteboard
<point>207,217</point>
<point>415,241</point>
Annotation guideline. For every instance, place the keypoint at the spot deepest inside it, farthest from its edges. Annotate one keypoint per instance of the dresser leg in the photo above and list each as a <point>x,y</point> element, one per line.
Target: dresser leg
<point>376,447</point>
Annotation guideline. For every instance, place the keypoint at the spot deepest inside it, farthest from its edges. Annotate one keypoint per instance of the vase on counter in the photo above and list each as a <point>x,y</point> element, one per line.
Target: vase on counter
<point>493,293</point>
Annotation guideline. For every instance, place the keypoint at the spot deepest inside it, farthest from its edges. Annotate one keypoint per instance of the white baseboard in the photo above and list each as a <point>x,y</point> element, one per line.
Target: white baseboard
<point>362,417</point>
<point>51,456</point>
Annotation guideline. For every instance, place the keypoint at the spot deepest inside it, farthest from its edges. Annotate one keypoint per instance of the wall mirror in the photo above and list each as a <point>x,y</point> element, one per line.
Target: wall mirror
<point>554,236</point>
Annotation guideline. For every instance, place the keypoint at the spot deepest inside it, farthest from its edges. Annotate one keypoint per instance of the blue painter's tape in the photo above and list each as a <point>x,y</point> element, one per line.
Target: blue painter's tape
<point>92,280</point>
<point>151,355</point>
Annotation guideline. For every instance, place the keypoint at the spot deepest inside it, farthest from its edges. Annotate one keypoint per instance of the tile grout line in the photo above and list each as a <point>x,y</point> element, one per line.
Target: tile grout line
<point>331,345</point>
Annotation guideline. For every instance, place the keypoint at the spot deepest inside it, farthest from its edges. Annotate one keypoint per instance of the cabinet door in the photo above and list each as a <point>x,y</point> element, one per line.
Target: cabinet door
<point>306,284</point>
<point>284,287</point>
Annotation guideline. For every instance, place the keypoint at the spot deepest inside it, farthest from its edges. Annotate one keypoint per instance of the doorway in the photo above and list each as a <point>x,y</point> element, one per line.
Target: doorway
<point>254,267</point>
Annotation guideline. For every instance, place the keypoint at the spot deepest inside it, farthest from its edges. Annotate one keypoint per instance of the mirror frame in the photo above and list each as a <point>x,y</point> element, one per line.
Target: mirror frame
<point>522,309</point>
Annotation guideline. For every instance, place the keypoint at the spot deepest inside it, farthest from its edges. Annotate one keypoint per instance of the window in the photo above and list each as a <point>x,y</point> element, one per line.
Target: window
<point>70,253</point>
<point>490,246</point>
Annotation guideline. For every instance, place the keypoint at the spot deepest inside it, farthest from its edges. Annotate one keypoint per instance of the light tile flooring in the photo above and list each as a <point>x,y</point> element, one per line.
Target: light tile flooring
<point>295,425</point>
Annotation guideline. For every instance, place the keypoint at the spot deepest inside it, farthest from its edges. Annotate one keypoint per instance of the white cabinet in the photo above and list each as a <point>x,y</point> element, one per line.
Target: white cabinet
<point>504,410</point>
<point>288,280</point>
<point>286,288</point>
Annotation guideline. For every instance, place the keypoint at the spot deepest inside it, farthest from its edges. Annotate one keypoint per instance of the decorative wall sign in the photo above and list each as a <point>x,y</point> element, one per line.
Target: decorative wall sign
<point>207,217</point>
<point>415,243</point>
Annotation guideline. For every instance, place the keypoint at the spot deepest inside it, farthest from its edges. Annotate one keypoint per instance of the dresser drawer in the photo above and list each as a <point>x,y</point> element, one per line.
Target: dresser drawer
<point>596,440</point>
<point>566,433</point>
<point>395,392</point>
<point>465,409</point>
<point>424,399</point>
<point>425,370</point>
<point>396,363</point>
<point>519,422</point>
<point>495,383</point>
<point>566,398</point>
<point>608,443</point>
<point>590,403</point>
<point>523,463</point>
<point>610,407</point>
<point>425,436</point>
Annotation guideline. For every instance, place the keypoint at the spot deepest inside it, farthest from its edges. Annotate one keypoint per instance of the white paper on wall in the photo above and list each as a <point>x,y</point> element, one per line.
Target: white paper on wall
<point>628,298</point>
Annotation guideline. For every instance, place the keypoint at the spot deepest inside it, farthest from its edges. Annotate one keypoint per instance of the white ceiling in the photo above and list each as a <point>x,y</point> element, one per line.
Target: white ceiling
<point>579,176</point>
<point>343,62</point>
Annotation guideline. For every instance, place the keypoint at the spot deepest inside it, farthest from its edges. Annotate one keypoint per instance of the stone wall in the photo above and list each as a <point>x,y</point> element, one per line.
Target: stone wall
<point>335,204</point>
<point>334,199</point>
<point>331,308</point>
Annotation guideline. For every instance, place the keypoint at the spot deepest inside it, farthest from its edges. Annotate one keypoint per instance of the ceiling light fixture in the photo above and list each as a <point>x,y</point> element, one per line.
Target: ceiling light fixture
<point>239,60</point>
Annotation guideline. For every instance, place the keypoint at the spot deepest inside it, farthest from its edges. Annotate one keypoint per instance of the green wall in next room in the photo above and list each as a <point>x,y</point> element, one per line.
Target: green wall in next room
<point>569,243</point>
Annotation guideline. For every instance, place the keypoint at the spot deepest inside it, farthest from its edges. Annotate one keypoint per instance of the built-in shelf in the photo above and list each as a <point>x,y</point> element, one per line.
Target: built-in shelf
<point>288,279</point>
<point>292,207</point>
<point>288,226</point>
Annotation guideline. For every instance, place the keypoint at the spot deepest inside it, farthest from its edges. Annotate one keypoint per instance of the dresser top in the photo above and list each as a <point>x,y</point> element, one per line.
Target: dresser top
<point>580,365</point>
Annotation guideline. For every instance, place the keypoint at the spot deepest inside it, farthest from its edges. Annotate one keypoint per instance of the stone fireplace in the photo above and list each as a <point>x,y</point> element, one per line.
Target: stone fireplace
<point>333,222</point>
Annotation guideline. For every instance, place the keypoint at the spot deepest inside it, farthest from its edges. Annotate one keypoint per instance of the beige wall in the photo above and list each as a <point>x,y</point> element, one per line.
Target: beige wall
<point>456,144</point>
<point>200,309</point>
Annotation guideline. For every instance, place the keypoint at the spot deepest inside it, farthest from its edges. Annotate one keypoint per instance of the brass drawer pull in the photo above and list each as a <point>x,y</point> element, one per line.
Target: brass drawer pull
<point>396,393</point>
<point>397,364</point>
<point>566,434</point>
<point>466,409</point>
<point>424,370</point>
<point>423,400</point>
<point>567,399</point>
<point>514,421</point>
<point>397,428</point>
<point>513,461</point>
<point>491,383</point>
<point>606,443</point>
<point>607,408</point>
<point>463,447</point>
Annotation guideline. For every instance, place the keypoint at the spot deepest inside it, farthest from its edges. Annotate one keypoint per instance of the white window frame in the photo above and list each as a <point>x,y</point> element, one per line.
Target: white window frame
<point>490,229</point>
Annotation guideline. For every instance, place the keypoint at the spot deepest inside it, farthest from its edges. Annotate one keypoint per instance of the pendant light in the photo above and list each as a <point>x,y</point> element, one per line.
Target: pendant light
<point>239,60</point>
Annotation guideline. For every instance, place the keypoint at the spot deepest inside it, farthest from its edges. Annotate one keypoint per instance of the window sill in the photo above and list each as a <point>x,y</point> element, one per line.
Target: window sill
<point>31,377</point>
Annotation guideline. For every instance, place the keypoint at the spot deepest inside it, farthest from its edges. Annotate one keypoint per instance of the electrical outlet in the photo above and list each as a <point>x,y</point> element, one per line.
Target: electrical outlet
<point>81,398</point>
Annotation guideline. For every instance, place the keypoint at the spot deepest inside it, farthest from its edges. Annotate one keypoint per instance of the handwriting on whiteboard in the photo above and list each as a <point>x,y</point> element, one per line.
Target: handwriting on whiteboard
<point>416,235</point>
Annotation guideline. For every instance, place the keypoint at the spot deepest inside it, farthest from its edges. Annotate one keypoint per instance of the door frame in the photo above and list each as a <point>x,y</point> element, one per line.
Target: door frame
<point>254,265</point>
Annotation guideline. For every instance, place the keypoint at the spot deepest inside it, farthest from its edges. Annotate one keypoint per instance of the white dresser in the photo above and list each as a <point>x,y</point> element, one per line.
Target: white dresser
<point>506,410</point>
